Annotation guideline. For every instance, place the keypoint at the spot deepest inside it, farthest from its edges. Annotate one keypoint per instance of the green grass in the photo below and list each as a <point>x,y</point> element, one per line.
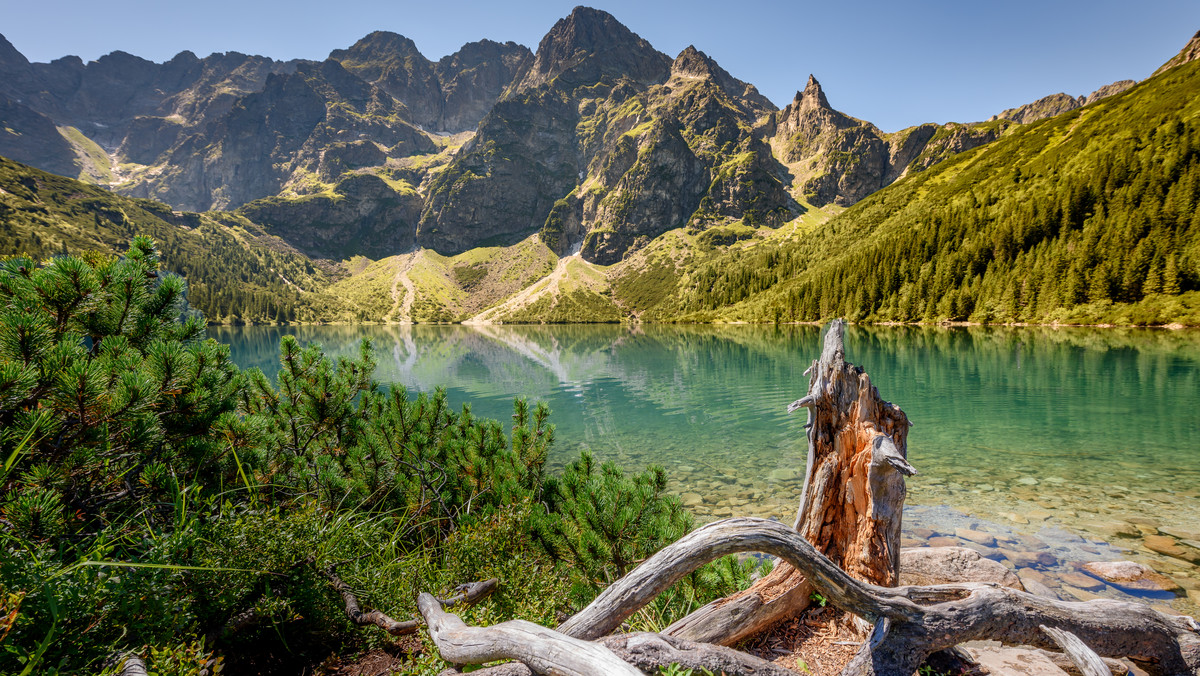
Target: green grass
<point>97,166</point>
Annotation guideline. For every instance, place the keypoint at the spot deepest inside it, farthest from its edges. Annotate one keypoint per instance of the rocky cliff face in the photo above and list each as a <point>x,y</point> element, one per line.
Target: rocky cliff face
<point>451,95</point>
<point>1047,106</point>
<point>1057,104</point>
<point>230,128</point>
<point>363,214</point>
<point>1190,52</point>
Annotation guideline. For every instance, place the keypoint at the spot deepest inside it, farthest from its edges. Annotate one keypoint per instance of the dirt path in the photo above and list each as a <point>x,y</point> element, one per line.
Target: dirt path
<point>410,290</point>
<point>527,296</point>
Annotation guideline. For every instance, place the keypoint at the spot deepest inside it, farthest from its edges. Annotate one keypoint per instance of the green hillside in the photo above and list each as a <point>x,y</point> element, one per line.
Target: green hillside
<point>1088,217</point>
<point>235,271</point>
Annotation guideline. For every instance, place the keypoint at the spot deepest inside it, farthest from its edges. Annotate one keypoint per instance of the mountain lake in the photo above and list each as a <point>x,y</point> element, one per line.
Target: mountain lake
<point>1040,447</point>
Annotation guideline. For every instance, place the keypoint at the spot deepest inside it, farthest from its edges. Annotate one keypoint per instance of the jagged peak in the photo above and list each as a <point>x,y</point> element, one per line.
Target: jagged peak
<point>377,45</point>
<point>10,56</point>
<point>812,96</point>
<point>1190,52</point>
<point>693,62</point>
<point>484,49</point>
<point>594,35</point>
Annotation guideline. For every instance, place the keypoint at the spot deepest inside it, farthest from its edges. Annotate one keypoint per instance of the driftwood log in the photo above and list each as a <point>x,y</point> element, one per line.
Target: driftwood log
<point>910,623</point>
<point>851,504</point>
<point>845,545</point>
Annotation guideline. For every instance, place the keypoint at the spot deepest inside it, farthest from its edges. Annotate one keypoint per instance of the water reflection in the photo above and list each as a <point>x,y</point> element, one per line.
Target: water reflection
<point>1080,410</point>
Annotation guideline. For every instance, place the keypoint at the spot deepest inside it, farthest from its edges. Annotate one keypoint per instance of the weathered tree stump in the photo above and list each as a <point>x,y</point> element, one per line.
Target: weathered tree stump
<point>851,504</point>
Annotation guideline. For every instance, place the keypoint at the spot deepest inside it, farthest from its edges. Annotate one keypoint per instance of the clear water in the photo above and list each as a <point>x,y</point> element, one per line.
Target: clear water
<point>1025,429</point>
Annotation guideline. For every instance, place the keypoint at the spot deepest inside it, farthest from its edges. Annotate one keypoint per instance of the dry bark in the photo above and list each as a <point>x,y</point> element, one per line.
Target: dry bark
<point>544,650</point>
<point>649,652</point>
<point>851,504</point>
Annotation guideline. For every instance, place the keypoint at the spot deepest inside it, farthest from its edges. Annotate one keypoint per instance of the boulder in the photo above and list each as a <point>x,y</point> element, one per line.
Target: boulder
<point>942,565</point>
<point>1130,575</point>
<point>1000,661</point>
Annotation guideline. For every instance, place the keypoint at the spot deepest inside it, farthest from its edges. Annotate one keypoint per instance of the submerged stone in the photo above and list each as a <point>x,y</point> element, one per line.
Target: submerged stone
<point>1130,575</point>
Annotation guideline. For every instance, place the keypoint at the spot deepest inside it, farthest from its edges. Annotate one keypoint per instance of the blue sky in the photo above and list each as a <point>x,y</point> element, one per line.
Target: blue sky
<point>893,63</point>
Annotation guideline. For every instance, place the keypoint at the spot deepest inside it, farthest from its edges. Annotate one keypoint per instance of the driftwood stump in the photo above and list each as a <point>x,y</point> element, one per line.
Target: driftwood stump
<point>851,504</point>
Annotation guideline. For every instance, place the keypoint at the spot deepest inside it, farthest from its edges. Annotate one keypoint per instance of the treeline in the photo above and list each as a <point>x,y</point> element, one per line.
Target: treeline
<point>1088,216</point>
<point>156,500</point>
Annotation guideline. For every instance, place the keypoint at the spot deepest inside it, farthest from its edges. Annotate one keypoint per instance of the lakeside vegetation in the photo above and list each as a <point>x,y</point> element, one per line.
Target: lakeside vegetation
<point>156,499</point>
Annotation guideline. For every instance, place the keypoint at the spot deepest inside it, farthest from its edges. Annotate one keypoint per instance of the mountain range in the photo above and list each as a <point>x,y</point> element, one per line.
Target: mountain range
<point>585,180</point>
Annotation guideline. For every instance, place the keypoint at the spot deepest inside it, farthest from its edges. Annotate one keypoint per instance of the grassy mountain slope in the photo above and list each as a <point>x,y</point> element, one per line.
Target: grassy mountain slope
<point>235,271</point>
<point>1086,217</point>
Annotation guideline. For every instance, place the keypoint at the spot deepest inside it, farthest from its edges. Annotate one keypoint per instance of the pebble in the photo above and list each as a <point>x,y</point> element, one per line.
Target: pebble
<point>1081,594</point>
<point>1081,581</point>
<point>1031,542</point>
<point>782,474</point>
<point>1030,559</point>
<point>976,536</point>
<point>1165,544</point>
<point>1033,574</point>
<point>1179,533</point>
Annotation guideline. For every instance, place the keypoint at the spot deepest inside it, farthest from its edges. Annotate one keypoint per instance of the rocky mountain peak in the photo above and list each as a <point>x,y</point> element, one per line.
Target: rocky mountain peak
<point>377,47</point>
<point>812,96</point>
<point>10,58</point>
<point>1190,52</point>
<point>589,44</point>
<point>694,63</point>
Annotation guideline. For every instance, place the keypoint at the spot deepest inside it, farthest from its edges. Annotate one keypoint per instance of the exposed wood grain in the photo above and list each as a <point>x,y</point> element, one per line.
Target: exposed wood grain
<point>1085,659</point>
<point>651,652</point>
<point>543,650</point>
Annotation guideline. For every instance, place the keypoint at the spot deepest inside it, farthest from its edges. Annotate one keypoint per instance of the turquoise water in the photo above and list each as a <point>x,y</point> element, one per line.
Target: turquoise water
<point>1022,428</point>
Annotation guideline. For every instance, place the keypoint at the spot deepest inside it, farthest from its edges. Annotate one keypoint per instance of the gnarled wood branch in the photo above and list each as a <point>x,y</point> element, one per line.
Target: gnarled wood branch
<point>544,650</point>
<point>1085,659</point>
<point>650,652</point>
<point>910,622</point>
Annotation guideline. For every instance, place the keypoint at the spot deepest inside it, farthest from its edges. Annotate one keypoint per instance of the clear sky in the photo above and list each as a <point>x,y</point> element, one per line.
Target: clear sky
<point>892,62</point>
